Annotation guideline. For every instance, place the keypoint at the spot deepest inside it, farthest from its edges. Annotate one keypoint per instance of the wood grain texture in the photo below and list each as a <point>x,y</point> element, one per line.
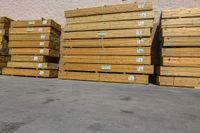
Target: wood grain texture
<point>33,37</point>
<point>33,58</point>
<point>181,52</point>
<point>32,65</point>
<point>109,9</point>
<point>181,41</point>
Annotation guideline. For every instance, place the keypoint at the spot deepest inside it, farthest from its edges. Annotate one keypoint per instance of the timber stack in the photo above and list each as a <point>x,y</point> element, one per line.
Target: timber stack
<point>109,44</point>
<point>181,48</point>
<point>34,48</point>
<point>4,32</point>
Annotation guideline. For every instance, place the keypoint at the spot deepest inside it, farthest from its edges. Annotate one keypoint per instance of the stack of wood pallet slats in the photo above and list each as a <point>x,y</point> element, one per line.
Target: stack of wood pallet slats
<point>4,30</point>
<point>181,48</point>
<point>109,44</point>
<point>34,48</point>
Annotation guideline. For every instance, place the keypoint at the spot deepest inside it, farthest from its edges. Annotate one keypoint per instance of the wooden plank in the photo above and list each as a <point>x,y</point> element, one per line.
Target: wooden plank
<point>180,71</point>
<point>181,61</point>
<point>3,64</point>
<point>193,31</point>
<point>108,34</point>
<point>32,65</point>
<point>181,22</point>
<point>145,60</point>
<point>182,41</point>
<point>33,37</point>
<point>33,58</point>
<point>179,81</point>
<point>181,52</point>
<point>36,23</point>
<point>142,69</point>
<point>30,72</point>
<point>108,51</point>
<point>181,13</point>
<point>4,58</point>
<point>104,77</point>
<point>131,24</point>
<point>34,51</point>
<point>33,30</point>
<point>126,42</point>
<point>34,44</point>
<point>109,9</point>
<point>112,17</point>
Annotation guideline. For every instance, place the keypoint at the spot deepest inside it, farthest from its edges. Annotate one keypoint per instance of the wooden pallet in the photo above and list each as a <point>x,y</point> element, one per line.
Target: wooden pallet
<point>109,9</point>
<point>30,72</point>
<point>32,65</point>
<point>124,42</point>
<point>34,51</point>
<point>34,44</point>
<point>179,81</point>
<point>105,77</point>
<point>181,52</point>
<point>108,51</point>
<point>179,71</point>
<point>181,61</point>
<point>33,58</point>
<point>36,23</point>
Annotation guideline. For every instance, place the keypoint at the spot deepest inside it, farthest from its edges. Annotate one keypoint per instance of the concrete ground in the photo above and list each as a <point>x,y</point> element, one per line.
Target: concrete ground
<point>29,105</point>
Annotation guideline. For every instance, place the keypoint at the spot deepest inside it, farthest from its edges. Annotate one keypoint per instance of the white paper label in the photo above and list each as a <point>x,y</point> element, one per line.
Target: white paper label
<point>139,32</point>
<point>102,33</point>
<point>106,67</point>
<point>44,22</point>
<point>140,50</point>
<point>140,23</point>
<point>140,6</point>
<point>41,43</point>
<point>142,14</point>
<point>35,58</point>
<point>42,36</point>
<point>31,22</point>
<point>131,77</point>
<point>140,41</point>
<point>141,59</point>
<point>41,73</point>
<point>40,29</point>
<point>41,51</point>
<point>29,29</point>
<point>140,68</point>
<point>40,66</point>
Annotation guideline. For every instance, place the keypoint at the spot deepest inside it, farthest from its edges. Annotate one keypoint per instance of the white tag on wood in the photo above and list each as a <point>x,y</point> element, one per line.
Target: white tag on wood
<point>140,50</point>
<point>40,29</point>
<point>31,22</point>
<point>139,32</point>
<point>140,68</point>
<point>140,23</point>
<point>42,36</point>
<point>142,14</point>
<point>29,29</point>
<point>141,5</point>
<point>131,77</point>
<point>140,41</point>
<point>41,73</point>
<point>41,43</point>
<point>35,58</point>
<point>41,51</point>
<point>106,67</point>
<point>102,33</point>
<point>44,22</point>
<point>140,59</point>
<point>40,65</point>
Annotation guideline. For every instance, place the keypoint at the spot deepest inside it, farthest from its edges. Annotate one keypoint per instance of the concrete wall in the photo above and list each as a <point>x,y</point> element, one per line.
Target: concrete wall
<point>35,9</point>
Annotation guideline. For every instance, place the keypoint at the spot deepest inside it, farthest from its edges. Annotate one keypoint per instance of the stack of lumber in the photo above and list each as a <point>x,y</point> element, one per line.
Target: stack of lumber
<point>4,30</point>
<point>34,48</point>
<point>181,48</point>
<point>109,44</point>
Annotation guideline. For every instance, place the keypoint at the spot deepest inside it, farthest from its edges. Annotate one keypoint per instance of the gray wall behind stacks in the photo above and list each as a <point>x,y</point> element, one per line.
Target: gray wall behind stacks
<point>35,9</point>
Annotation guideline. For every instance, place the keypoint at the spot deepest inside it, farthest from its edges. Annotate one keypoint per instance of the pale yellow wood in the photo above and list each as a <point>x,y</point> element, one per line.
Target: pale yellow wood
<point>32,65</point>
<point>112,17</point>
<point>108,34</point>
<point>33,58</point>
<point>33,37</point>
<point>181,52</point>
<point>181,41</point>
<point>108,42</point>
<point>109,9</point>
